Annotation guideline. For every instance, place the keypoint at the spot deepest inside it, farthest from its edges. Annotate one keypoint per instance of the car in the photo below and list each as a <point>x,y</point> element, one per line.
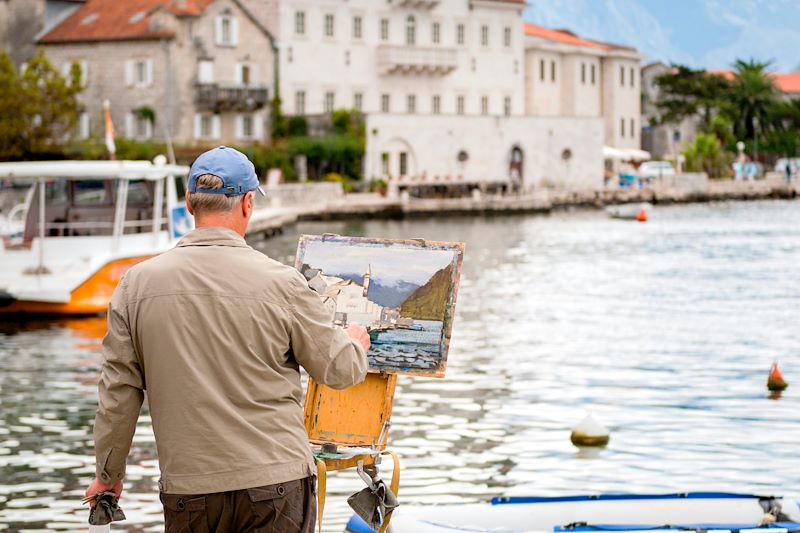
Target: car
<point>656,169</point>
<point>780,165</point>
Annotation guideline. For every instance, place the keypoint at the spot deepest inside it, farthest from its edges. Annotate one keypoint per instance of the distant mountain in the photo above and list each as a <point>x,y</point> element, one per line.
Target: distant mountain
<point>383,294</point>
<point>429,302</point>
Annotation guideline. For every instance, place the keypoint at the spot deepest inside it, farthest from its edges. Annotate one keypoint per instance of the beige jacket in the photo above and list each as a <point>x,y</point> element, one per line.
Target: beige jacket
<point>215,332</point>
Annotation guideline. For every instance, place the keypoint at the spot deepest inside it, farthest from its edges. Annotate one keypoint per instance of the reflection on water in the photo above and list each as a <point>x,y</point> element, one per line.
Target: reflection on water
<point>664,330</point>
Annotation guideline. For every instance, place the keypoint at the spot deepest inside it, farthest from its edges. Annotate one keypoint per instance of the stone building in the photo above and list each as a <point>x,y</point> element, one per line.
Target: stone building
<point>198,70</point>
<point>663,141</point>
<point>22,21</point>
<point>666,141</point>
<point>451,90</point>
<point>566,76</point>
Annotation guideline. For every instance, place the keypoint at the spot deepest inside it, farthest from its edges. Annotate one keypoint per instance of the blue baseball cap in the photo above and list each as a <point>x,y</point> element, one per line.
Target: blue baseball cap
<point>237,173</point>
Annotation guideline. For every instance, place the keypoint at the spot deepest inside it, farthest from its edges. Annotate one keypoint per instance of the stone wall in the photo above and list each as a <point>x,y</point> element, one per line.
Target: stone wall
<point>557,152</point>
<point>302,195</point>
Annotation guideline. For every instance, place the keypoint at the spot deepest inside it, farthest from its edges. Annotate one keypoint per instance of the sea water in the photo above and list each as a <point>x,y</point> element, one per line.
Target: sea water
<point>664,330</point>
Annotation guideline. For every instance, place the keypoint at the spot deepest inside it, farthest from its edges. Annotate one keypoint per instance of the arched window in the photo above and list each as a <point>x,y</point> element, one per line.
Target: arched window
<point>411,30</point>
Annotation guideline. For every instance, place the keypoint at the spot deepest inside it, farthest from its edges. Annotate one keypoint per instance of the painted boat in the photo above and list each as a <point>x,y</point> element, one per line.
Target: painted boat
<point>702,512</point>
<point>85,224</point>
<point>629,211</point>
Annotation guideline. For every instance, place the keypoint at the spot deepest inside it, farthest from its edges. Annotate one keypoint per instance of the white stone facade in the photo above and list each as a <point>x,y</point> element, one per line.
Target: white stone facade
<point>571,77</point>
<point>555,151</point>
<point>438,78</point>
<point>437,57</point>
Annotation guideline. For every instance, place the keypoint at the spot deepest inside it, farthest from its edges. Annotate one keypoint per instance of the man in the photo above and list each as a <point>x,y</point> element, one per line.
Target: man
<point>215,332</point>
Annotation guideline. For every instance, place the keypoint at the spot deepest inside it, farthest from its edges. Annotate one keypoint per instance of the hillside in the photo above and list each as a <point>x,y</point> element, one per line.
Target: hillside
<point>429,302</point>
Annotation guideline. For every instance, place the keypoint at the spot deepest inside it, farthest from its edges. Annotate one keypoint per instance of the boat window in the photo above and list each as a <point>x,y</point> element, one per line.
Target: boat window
<point>57,192</point>
<point>138,193</point>
<point>87,193</point>
<point>180,188</point>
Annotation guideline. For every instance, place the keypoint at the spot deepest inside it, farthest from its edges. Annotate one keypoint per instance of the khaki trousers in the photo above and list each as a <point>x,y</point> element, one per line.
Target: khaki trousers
<point>289,507</point>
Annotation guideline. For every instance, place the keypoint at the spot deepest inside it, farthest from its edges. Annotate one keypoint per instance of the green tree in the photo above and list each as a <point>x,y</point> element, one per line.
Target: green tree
<point>278,120</point>
<point>39,108</point>
<point>51,105</point>
<point>13,126</point>
<point>685,92</point>
<point>754,97</point>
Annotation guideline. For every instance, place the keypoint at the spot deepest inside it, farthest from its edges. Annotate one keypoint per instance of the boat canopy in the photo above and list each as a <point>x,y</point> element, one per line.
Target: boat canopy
<point>625,154</point>
<point>91,170</point>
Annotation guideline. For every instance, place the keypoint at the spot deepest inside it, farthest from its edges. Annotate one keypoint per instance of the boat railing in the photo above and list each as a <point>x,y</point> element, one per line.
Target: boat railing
<point>65,227</point>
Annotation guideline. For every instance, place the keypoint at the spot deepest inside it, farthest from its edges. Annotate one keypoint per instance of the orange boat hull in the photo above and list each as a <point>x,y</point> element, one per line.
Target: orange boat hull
<point>90,298</point>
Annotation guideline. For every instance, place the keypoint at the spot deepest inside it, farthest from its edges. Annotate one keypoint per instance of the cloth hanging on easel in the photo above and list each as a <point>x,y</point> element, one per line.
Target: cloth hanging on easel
<point>372,504</point>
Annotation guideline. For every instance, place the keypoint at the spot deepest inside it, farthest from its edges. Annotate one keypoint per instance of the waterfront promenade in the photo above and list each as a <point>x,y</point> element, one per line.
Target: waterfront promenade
<point>290,203</point>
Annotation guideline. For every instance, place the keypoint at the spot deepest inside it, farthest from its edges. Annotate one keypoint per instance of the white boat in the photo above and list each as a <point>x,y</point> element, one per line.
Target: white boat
<point>702,512</point>
<point>630,211</point>
<point>85,223</point>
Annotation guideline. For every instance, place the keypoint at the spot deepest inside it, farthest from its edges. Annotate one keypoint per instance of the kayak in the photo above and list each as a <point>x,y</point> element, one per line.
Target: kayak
<point>702,512</point>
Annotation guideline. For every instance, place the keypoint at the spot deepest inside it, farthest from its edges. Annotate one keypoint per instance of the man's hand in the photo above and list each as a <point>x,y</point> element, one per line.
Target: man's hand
<point>98,487</point>
<point>358,333</point>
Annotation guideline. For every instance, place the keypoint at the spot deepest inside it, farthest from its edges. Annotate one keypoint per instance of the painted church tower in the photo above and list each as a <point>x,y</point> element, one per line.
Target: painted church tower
<point>367,277</point>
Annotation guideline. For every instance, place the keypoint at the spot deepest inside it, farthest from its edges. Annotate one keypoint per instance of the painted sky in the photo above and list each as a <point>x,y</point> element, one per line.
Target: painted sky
<point>700,33</point>
<point>389,265</point>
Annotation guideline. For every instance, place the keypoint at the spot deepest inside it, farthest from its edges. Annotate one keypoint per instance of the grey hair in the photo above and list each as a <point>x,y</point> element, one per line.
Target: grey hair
<point>202,203</point>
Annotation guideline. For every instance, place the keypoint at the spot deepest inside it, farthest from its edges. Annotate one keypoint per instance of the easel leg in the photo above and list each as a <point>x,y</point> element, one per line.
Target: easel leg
<point>322,489</point>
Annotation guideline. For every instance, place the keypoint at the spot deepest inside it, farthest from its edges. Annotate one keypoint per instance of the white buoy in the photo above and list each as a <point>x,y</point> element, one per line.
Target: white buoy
<point>590,432</point>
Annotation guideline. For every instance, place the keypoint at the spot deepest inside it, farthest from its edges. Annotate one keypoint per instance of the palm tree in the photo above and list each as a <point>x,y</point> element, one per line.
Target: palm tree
<point>754,95</point>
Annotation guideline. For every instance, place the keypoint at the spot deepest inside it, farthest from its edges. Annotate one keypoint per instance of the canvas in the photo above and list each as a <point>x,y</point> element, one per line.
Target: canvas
<point>403,291</point>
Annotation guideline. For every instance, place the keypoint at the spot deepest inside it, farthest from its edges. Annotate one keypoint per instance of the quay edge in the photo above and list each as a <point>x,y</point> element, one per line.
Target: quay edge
<point>268,221</point>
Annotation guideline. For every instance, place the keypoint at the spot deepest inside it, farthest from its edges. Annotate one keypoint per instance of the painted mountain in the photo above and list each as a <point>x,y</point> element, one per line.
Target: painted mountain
<point>429,302</point>
<point>384,295</point>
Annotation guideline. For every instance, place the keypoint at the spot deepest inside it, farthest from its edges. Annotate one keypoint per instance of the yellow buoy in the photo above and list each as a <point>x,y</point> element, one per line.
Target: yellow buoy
<point>590,432</point>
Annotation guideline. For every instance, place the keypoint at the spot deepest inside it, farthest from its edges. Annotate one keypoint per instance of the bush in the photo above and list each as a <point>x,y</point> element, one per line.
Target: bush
<point>297,127</point>
<point>348,122</point>
<point>340,154</point>
<point>706,155</point>
<point>267,157</point>
<point>379,185</point>
<point>347,185</point>
<point>138,150</point>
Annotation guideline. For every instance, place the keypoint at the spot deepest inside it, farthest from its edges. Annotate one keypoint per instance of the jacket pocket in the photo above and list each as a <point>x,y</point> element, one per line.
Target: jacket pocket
<point>184,514</point>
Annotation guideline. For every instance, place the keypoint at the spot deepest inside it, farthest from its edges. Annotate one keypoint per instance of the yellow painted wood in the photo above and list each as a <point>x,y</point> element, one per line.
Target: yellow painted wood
<point>353,417</point>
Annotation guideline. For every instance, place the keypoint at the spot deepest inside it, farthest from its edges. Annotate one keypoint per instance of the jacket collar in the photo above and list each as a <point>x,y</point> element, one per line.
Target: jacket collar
<point>212,237</point>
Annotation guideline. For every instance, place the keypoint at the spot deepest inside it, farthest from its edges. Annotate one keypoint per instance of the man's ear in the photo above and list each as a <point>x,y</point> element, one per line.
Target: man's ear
<point>247,204</point>
<point>188,205</point>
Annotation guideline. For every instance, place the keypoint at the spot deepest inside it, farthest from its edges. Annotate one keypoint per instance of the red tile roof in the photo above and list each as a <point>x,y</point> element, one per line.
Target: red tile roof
<point>119,20</point>
<point>563,37</point>
<point>788,83</point>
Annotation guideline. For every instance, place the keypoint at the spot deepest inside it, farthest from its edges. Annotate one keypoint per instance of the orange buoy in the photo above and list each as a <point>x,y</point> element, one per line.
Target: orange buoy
<point>775,381</point>
<point>641,216</point>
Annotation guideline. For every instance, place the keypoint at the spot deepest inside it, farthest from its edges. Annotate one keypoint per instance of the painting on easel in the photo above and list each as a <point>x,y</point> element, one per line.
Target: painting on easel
<point>402,291</point>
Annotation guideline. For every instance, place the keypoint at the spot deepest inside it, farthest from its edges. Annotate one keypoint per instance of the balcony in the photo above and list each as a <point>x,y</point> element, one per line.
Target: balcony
<point>417,4</point>
<point>416,60</point>
<point>213,97</point>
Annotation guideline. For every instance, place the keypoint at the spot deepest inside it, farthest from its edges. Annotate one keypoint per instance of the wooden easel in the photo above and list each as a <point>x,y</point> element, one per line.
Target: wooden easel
<point>350,429</point>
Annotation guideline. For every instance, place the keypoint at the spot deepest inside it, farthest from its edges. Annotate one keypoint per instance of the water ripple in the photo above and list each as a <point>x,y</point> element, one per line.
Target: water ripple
<point>665,331</point>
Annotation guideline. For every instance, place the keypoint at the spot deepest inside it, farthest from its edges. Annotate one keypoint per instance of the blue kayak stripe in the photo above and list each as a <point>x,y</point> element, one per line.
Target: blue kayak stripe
<point>504,500</point>
<point>776,526</point>
<point>357,525</point>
